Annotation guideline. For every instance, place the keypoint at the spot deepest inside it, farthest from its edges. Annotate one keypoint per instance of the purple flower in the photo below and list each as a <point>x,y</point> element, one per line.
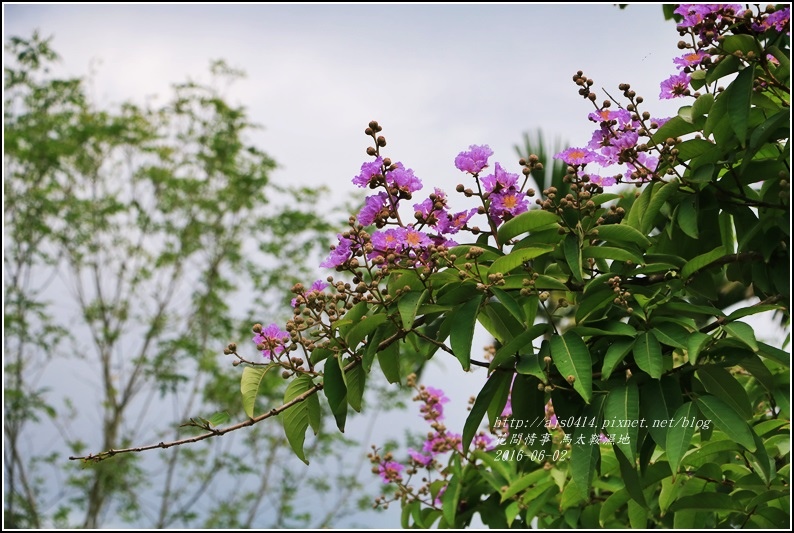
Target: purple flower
<point>386,241</point>
<point>412,238</point>
<point>442,443</point>
<point>368,171</point>
<point>484,442</point>
<point>433,409</point>
<point>509,203</point>
<point>694,14</point>
<point>499,180</point>
<point>389,471</point>
<point>474,160</point>
<point>403,179</point>
<point>577,156</point>
<point>625,139</point>
<point>605,115</point>
<point>691,59</point>
<point>675,86</point>
<point>375,207</point>
<point>778,20</point>
<point>420,458</point>
<point>317,287</point>
<point>451,224</point>
<point>273,340</point>
<point>340,253</point>
<point>661,121</point>
<point>603,181</point>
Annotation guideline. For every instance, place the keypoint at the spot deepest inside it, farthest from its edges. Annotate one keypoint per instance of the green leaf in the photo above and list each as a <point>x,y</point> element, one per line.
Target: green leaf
<point>335,391</point>
<point>523,483</point>
<point>573,255</point>
<point>533,220</point>
<point>623,405</point>
<point>572,358</point>
<point>630,478</point>
<point>648,355</point>
<point>354,380</point>
<point>593,304</point>
<point>726,420</point>
<point>670,334</point>
<point>694,344</point>
<point>687,214</point>
<point>450,499</point>
<point>389,360</point>
<point>517,258</point>
<point>611,505</point>
<point>585,457</point>
<point>249,386</point>
<point>609,252</point>
<point>706,501</point>
<point>510,303</point>
<point>739,95</point>
<point>720,383</point>
<point>622,234</point>
<point>702,261</point>
<point>661,193</point>
<point>616,352</point>
<point>679,435</point>
<point>497,382</point>
<point>407,306</point>
<point>219,418</point>
<point>463,320</point>
<point>670,490</point>
<point>296,419</point>
<point>638,515</point>
<point>660,401</point>
<point>510,349</point>
<point>367,325</point>
<point>743,333</point>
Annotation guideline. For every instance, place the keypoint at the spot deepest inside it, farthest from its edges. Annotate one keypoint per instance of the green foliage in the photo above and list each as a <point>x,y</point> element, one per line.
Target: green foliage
<point>128,232</point>
<point>618,310</point>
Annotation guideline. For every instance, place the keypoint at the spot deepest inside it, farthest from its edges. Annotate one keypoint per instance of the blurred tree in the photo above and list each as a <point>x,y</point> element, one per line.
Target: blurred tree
<point>143,222</point>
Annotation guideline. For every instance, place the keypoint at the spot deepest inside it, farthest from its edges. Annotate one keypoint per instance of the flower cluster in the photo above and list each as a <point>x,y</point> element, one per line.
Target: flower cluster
<point>270,340</point>
<point>615,142</point>
<point>501,195</point>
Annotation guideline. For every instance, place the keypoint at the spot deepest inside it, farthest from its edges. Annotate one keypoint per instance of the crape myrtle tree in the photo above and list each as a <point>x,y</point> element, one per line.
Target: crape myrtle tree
<point>136,238</point>
<point>625,385</point>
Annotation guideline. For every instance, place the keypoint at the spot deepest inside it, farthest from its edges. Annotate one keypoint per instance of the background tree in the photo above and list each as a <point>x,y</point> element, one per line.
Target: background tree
<point>128,230</point>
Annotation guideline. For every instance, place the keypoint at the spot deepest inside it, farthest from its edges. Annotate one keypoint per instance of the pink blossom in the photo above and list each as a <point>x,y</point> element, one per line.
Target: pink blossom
<point>675,86</point>
<point>273,339</point>
<point>389,471</point>
<point>474,160</point>
<point>368,171</point>
<point>577,156</point>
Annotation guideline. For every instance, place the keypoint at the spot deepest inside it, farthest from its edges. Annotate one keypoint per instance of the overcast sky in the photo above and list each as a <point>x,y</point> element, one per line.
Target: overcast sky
<point>437,77</point>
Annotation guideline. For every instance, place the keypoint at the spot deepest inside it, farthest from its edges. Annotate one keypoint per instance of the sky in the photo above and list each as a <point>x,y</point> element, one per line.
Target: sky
<point>438,78</point>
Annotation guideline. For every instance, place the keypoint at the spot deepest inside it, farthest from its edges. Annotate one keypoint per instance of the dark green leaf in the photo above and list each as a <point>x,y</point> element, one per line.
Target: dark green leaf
<point>739,94</point>
<point>572,359</point>
<point>648,355</point>
<point>296,418</point>
<point>532,220</point>
<point>616,352</point>
<point>726,420</point>
<point>497,382</point>
<point>464,319</point>
<point>408,304</point>
<point>517,258</point>
<point>335,391</point>
<point>720,383</point>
